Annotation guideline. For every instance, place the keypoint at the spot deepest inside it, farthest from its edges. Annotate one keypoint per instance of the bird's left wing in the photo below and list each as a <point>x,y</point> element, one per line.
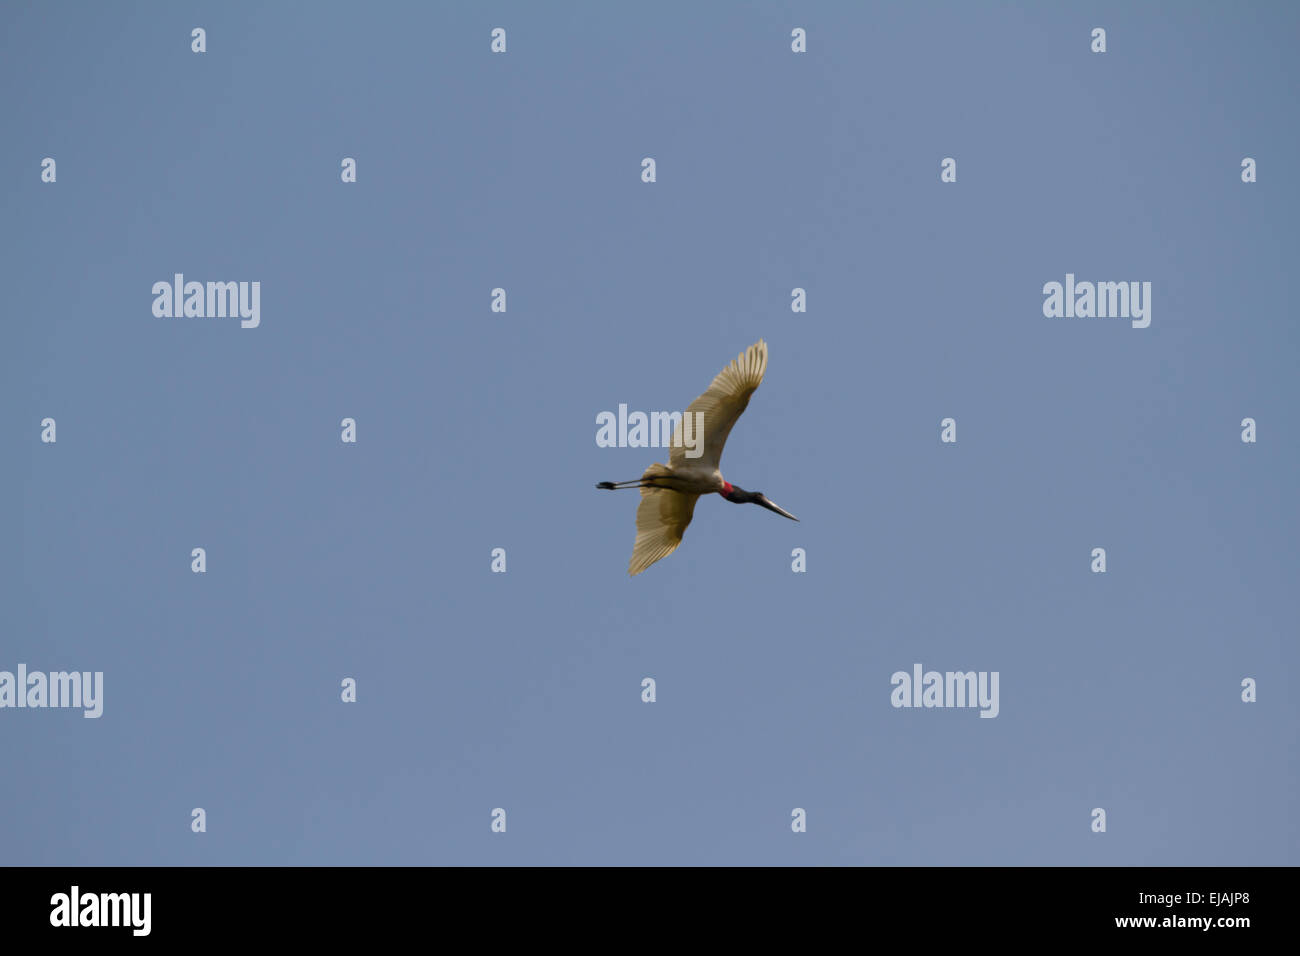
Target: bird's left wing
<point>721,405</point>
<point>661,520</point>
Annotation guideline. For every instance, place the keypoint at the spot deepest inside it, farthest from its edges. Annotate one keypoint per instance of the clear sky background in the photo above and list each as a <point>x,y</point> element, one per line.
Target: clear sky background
<point>476,430</point>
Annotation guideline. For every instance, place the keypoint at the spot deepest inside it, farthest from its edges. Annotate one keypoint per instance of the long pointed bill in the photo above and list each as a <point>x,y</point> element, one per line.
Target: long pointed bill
<point>771,507</point>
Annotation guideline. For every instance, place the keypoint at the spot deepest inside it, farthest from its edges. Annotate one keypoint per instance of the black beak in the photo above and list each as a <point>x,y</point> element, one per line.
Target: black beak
<point>763,500</point>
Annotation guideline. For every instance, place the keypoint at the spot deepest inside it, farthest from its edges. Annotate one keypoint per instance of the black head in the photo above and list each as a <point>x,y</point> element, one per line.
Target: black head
<point>742,497</point>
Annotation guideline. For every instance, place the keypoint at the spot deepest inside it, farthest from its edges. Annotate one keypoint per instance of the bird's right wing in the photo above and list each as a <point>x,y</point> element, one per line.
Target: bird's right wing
<point>661,520</point>
<point>721,405</point>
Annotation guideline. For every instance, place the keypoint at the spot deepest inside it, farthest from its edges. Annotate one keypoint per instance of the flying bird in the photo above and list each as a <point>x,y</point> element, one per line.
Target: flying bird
<point>669,492</point>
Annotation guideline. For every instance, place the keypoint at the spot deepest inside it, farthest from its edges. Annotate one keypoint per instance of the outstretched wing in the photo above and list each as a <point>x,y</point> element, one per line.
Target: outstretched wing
<point>661,520</point>
<point>721,405</point>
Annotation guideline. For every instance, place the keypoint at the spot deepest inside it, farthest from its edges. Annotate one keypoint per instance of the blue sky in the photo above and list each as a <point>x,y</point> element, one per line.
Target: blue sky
<point>476,430</point>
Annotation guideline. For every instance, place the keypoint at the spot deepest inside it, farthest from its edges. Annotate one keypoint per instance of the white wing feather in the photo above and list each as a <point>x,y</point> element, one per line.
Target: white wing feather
<point>721,405</point>
<point>661,520</point>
